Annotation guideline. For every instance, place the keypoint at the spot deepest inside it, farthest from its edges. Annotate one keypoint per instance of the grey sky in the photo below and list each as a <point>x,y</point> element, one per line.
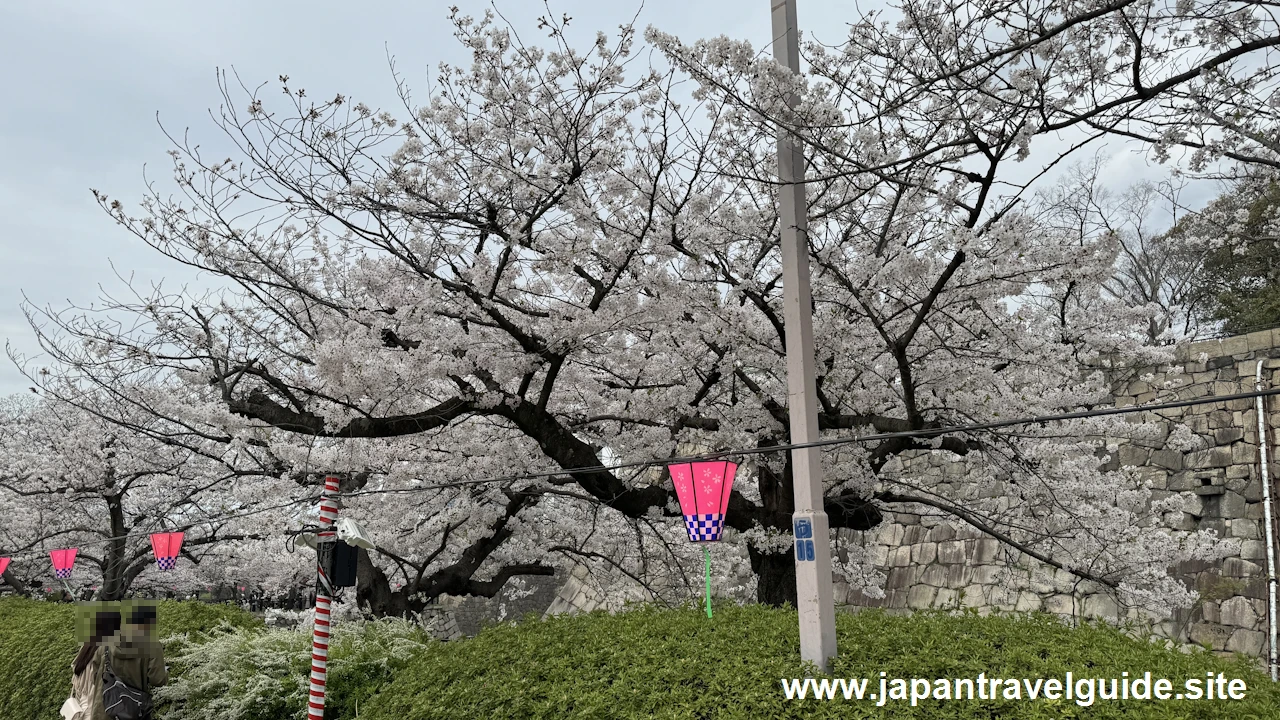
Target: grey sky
<point>84,82</point>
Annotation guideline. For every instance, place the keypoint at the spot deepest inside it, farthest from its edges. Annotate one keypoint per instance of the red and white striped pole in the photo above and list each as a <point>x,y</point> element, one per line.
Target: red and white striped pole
<point>324,591</point>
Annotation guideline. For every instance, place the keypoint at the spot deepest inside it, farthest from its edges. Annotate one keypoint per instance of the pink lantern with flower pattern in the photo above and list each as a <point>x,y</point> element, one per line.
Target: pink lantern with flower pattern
<point>703,489</point>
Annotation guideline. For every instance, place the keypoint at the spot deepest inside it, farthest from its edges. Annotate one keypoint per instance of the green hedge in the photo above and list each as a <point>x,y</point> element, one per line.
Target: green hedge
<point>645,663</point>
<point>38,643</point>
<point>648,663</point>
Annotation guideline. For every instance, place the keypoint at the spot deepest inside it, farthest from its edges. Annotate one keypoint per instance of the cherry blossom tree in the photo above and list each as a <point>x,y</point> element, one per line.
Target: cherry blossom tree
<point>70,478</point>
<point>562,259</point>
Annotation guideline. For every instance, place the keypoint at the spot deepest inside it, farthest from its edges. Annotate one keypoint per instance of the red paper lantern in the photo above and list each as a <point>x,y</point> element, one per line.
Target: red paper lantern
<point>4,564</point>
<point>63,559</point>
<point>166,547</point>
<point>703,489</point>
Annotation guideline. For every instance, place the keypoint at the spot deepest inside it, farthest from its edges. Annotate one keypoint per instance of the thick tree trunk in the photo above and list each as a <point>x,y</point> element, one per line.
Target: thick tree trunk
<point>776,577</point>
<point>13,582</point>
<point>113,567</point>
<point>775,572</point>
<point>373,590</point>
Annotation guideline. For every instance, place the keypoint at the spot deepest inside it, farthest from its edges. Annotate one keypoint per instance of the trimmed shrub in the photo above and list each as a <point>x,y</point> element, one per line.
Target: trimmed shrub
<point>38,643</point>
<point>648,663</point>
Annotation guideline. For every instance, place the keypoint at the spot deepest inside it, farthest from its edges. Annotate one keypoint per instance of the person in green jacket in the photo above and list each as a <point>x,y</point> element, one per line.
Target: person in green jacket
<point>136,656</point>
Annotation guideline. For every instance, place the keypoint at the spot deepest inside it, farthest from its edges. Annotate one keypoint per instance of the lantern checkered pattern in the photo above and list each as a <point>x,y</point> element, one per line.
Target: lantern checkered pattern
<point>167,563</point>
<point>704,528</point>
<point>703,489</point>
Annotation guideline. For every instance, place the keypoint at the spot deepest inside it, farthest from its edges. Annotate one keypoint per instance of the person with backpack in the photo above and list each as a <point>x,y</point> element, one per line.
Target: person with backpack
<point>132,666</point>
<point>86,701</point>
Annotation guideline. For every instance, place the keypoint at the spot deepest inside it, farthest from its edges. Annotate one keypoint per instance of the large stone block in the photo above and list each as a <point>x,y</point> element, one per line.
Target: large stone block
<point>1218,457</point>
<point>1228,435</point>
<point>1238,612</point>
<point>987,574</point>
<point>935,575</point>
<point>1243,529</point>
<point>1231,505</point>
<point>899,578</point>
<point>985,550</point>
<point>1060,605</point>
<point>1192,504</point>
<point>1211,634</point>
<point>1100,606</point>
<point>1168,459</point>
<point>1253,549</point>
<point>914,534</point>
<point>879,555</point>
<point>942,533</point>
<point>1182,481</point>
<point>1260,340</point>
<point>1215,524</point>
<point>1238,472</point>
<point>952,552</point>
<point>1247,642</point>
<point>1244,453</point>
<point>900,556</point>
<point>1239,568</point>
<point>1133,456</point>
<point>959,576</point>
<point>1211,612</point>
<point>924,553</point>
<point>921,597</point>
<point>1028,602</point>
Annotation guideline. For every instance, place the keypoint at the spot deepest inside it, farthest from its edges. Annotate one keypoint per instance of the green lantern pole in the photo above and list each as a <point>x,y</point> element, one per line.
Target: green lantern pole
<point>707,555</point>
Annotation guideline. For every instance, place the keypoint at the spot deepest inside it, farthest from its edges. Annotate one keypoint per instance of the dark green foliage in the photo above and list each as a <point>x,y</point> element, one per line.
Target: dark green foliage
<point>646,663</point>
<point>678,664</point>
<point>38,643</point>
<point>1239,283</point>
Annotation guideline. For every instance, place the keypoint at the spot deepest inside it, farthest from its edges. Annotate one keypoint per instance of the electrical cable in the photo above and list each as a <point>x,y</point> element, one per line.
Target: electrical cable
<point>928,432</point>
<point>830,442</point>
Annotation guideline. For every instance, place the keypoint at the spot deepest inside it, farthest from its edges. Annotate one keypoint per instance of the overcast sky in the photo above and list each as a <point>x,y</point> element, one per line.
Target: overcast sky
<point>84,82</point>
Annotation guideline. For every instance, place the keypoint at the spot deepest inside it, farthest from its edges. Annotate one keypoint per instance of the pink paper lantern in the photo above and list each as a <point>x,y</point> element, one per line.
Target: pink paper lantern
<point>62,561</point>
<point>703,489</point>
<point>166,547</point>
<point>4,564</point>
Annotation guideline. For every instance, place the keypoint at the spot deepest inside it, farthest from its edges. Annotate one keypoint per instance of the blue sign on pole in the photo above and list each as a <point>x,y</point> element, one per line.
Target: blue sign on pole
<point>804,542</point>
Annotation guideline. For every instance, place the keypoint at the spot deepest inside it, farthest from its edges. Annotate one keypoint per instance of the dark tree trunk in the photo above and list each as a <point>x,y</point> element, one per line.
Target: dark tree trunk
<point>775,572</point>
<point>373,590</point>
<point>13,582</point>
<point>776,577</point>
<point>113,560</point>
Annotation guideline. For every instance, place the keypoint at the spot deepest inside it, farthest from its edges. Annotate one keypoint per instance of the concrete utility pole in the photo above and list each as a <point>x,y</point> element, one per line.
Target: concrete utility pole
<point>815,598</point>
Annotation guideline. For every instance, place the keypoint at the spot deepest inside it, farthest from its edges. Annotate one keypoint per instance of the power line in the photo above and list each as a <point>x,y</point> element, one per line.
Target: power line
<point>721,454</point>
<point>928,432</point>
<point>182,528</point>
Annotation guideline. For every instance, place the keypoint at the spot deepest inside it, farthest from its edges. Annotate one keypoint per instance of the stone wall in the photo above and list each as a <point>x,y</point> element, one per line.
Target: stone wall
<point>932,562</point>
